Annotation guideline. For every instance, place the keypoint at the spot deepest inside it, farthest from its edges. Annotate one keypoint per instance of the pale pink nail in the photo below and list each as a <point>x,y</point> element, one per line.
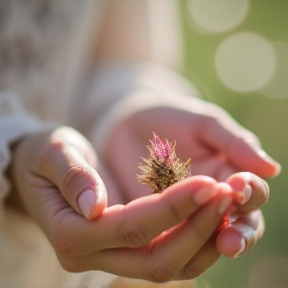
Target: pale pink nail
<point>204,195</point>
<point>86,201</point>
<point>224,204</point>
<point>247,192</point>
<point>244,196</point>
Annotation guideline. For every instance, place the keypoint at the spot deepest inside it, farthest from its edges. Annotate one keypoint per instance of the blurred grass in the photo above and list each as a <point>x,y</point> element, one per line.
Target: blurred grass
<point>267,118</point>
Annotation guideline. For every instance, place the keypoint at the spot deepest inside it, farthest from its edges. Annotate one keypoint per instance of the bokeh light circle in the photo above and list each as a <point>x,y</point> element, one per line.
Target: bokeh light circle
<point>270,272</point>
<point>217,16</point>
<point>277,87</point>
<point>245,62</point>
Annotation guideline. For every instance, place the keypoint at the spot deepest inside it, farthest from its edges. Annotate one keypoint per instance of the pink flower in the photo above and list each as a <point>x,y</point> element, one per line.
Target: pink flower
<point>162,150</point>
<point>162,168</point>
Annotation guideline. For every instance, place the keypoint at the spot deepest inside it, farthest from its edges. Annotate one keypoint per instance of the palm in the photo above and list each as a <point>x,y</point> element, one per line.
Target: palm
<point>217,145</point>
<point>129,142</point>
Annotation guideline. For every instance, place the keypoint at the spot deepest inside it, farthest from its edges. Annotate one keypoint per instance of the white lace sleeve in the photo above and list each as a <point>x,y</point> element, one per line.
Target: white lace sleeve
<point>14,123</point>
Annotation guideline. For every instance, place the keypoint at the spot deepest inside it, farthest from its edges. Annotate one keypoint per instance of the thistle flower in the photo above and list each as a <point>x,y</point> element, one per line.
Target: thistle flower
<point>162,168</point>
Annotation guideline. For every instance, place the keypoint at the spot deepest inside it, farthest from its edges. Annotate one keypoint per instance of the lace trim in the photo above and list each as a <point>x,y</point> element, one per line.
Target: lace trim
<point>14,123</point>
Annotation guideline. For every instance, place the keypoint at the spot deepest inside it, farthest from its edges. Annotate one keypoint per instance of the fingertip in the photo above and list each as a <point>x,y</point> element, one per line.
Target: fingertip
<point>240,183</point>
<point>270,167</point>
<point>86,202</point>
<point>269,170</point>
<point>237,181</point>
<point>276,169</point>
<point>248,156</point>
<point>230,244</point>
<point>91,203</point>
<point>96,210</point>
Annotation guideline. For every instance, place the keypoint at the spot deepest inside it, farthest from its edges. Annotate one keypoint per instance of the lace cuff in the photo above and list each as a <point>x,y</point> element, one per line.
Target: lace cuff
<point>14,123</point>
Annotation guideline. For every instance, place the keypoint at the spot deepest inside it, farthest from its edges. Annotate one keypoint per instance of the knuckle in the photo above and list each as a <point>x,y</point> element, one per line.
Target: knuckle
<point>201,233</point>
<point>160,272</point>
<point>48,152</point>
<point>132,235</point>
<point>52,146</point>
<point>72,176</point>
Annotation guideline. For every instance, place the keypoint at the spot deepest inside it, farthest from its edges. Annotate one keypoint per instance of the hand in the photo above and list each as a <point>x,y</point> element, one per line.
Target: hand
<point>217,145</point>
<point>246,224</point>
<point>155,237</point>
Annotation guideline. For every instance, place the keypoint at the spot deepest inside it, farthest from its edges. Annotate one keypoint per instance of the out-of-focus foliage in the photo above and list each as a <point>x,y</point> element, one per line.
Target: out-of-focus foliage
<point>236,53</point>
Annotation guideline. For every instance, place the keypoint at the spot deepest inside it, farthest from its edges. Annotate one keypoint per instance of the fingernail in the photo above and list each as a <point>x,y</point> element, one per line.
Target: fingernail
<point>204,194</point>
<point>247,192</point>
<point>244,196</point>
<point>86,201</point>
<point>223,205</point>
<point>242,248</point>
<point>239,197</point>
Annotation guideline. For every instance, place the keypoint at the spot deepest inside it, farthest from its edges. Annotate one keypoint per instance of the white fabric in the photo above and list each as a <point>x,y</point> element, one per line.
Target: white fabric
<point>14,123</point>
<point>45,61</point>
<point>133,84</point>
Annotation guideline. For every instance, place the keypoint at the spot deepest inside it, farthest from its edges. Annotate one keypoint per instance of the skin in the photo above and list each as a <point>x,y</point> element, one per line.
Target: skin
<point>159,237</point>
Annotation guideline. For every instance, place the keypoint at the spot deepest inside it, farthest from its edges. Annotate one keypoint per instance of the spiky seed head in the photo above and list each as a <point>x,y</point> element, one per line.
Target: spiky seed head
<point>162,168</point>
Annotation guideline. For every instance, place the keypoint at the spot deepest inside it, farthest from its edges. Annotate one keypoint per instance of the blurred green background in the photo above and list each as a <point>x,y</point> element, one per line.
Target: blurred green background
<point>258,101</point>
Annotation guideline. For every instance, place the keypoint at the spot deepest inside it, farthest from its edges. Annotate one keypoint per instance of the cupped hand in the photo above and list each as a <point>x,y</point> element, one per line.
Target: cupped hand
<point>246,224</point>
<point>217,145</point>
<point>156,237</point>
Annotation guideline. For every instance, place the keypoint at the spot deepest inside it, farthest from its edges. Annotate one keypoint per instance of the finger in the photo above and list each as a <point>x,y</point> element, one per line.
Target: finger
<point>200,262</point>
<point>64,161</point>
<point>170,252</point>
<point>182,243</point>
<point>115,193</point>
<point>255,190</point>
<point>240,146</point>
<point>214,166</point>
<point>241,235</point>
<point>137,223</point>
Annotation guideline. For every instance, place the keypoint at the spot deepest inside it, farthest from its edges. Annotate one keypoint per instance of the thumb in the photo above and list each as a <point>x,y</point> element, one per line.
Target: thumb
<point>64,164</point>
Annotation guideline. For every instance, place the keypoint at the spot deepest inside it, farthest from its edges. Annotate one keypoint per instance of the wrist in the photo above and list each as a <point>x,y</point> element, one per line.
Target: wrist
<point>14,200</point>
